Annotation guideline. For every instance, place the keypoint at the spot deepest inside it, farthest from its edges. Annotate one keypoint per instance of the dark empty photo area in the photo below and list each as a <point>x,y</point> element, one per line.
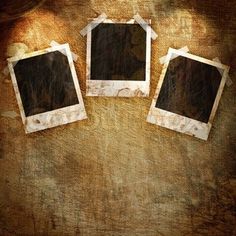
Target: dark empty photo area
<point>189,89</point>
<point>118,52</point>
<point>45,83</point>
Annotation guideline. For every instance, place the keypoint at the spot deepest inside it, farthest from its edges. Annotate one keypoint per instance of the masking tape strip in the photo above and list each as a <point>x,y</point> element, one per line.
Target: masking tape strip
<point>74,56</point>
<point>93,24</point>
<point>229,82</point>
<point>163,59</point>
<point>145,25</point>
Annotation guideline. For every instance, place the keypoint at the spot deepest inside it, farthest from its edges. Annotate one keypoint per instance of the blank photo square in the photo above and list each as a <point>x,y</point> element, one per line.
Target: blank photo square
<point>118,59</point>
<point>188,94</point>
<point>47,88</point>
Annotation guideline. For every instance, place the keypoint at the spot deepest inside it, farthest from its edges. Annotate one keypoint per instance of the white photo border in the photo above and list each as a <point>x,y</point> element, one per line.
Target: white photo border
<point>118,88</point>
<point>181,123</point>
<point>56,117</point>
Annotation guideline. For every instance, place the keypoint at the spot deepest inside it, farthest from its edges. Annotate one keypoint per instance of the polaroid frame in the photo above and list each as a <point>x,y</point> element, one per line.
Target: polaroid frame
<point>119,88</point>
<point>55,117</point>
<point>181,123</point>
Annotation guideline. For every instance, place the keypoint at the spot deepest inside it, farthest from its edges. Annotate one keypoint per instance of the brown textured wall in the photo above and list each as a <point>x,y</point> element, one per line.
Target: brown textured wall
<point>115,174</point>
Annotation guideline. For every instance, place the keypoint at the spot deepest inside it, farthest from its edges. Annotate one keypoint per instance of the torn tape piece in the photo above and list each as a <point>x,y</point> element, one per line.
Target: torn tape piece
<point>74,56</point>
<point>229,82</point>
<point>15,48</point>
<point>93,24</point>
<point>145,25</point>
<point>163,59</point>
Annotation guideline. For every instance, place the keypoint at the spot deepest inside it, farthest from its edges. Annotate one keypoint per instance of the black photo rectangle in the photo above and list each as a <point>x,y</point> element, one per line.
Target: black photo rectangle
<point>45,83</point>
<point>189,88</point>
<point>118,52</point>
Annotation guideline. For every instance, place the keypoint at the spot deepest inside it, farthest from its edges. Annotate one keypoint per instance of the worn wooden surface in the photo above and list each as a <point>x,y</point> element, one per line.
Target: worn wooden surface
<point>115,174</point>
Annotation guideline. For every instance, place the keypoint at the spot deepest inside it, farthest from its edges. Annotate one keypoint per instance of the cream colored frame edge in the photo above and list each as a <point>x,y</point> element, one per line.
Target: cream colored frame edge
<point>181,123</point>
<point>56,117</point>
<point>117,88</point>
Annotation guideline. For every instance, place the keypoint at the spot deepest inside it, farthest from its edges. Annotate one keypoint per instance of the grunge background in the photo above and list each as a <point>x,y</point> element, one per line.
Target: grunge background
<point>114,174</point>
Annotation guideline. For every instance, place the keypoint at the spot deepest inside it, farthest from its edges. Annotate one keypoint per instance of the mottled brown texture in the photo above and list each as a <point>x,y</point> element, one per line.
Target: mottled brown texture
<point>114,174</point>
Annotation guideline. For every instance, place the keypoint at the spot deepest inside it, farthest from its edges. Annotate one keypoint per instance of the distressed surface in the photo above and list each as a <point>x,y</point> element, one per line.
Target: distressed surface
<point>115,174</point>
